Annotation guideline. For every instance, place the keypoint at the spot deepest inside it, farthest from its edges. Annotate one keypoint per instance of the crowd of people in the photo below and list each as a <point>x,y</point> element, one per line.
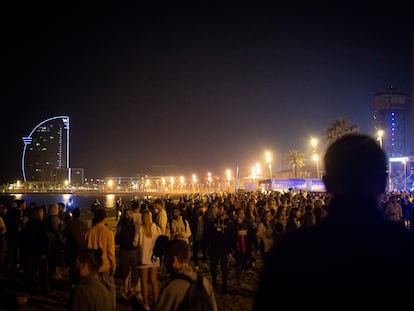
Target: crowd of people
<point>243,228</point>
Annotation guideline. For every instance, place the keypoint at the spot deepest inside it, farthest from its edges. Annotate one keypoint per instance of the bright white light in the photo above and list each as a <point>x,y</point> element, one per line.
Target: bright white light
<point>314,142</point>
<point>398,159</point>
<point>228,174</point>
<point>258,169</point>
<point>268,157</point>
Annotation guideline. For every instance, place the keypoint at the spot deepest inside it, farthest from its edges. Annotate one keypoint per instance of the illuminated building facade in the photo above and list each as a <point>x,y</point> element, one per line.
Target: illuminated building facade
<point>391,115</point>
<point>46,151</point>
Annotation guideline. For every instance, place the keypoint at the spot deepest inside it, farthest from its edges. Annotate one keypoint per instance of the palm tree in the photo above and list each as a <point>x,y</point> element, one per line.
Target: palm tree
<point>295,159</point>
<point>338,129</point>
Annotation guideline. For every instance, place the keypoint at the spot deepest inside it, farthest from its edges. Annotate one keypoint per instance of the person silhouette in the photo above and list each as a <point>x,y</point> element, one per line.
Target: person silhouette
<point>354,257</point>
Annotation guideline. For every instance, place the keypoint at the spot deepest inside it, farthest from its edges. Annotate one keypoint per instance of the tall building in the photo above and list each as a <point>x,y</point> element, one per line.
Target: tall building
<point>412,85</point>
<point>46,151</point>
<point>392,116</point>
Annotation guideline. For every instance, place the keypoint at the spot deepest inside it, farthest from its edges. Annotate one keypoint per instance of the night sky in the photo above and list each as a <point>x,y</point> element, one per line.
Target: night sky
<point>199,87</point>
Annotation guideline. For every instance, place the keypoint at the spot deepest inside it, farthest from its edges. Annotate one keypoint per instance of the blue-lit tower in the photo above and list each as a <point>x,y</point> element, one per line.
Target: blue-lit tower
<point>391,115</point>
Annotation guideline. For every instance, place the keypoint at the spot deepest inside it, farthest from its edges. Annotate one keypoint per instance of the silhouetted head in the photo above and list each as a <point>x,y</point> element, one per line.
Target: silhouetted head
<point>98,216</point>
<point>91,257</point>
<point>355,165</point>
<point>76,212</point>
<point>176,253</point>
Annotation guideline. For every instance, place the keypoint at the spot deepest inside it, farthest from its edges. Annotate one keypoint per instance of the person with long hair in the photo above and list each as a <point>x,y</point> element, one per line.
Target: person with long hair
<point>148,233</point>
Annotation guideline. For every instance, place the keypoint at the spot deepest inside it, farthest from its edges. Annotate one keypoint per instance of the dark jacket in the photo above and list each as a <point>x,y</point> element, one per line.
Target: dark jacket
<point>220,236</point>
<point>125,234</point>
<point>353,258</point>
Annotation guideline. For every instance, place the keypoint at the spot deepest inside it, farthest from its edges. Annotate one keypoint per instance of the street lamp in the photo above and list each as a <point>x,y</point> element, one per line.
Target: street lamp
<point>316,159</point>
<point>268,161</point>
<point>405,174</point>
<point>172,183</point>
<point>314,144</point>
<point>380,133</point>
<point>228,174</point>
<point>182,181</point>
<point>194,177</point>
<point>110,184</point>
<point>254,176</point>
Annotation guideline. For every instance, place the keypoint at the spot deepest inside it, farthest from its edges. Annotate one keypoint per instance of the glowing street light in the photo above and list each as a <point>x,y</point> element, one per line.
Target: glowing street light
<point>110,183</point>
<point>228,175</point>
<point>194,177</point>
<point>258,169</point>
<point>315,156</point>
<point>182,182</point>
<point>380,134</point>
<point>269,162</point>
<point>209,179</point>
<point>405,174</point>
<point>314,144</point>
<point>254,175</point>
<point>172,182</point>
<point>316,159</point>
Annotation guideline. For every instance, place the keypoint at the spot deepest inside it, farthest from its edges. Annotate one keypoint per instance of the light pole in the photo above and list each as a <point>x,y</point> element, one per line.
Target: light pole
<point>254,176</point>
<point>228,175</point>
<point>172,183</point>
<point>110,184</point>
<point>314,144</point>
<point>268,161</point>
<point>258,169</point>
<point>194,178</point>
<point>380,133</point>
<point>316,158</point>
<point>405,174</point>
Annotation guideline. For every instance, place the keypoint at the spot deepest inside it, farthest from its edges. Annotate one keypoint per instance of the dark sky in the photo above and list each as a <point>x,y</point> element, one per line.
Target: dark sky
<point>198,87</point>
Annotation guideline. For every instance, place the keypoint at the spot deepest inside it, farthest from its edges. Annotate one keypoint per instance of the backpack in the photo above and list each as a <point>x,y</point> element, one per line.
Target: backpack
<point>196,297</point>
